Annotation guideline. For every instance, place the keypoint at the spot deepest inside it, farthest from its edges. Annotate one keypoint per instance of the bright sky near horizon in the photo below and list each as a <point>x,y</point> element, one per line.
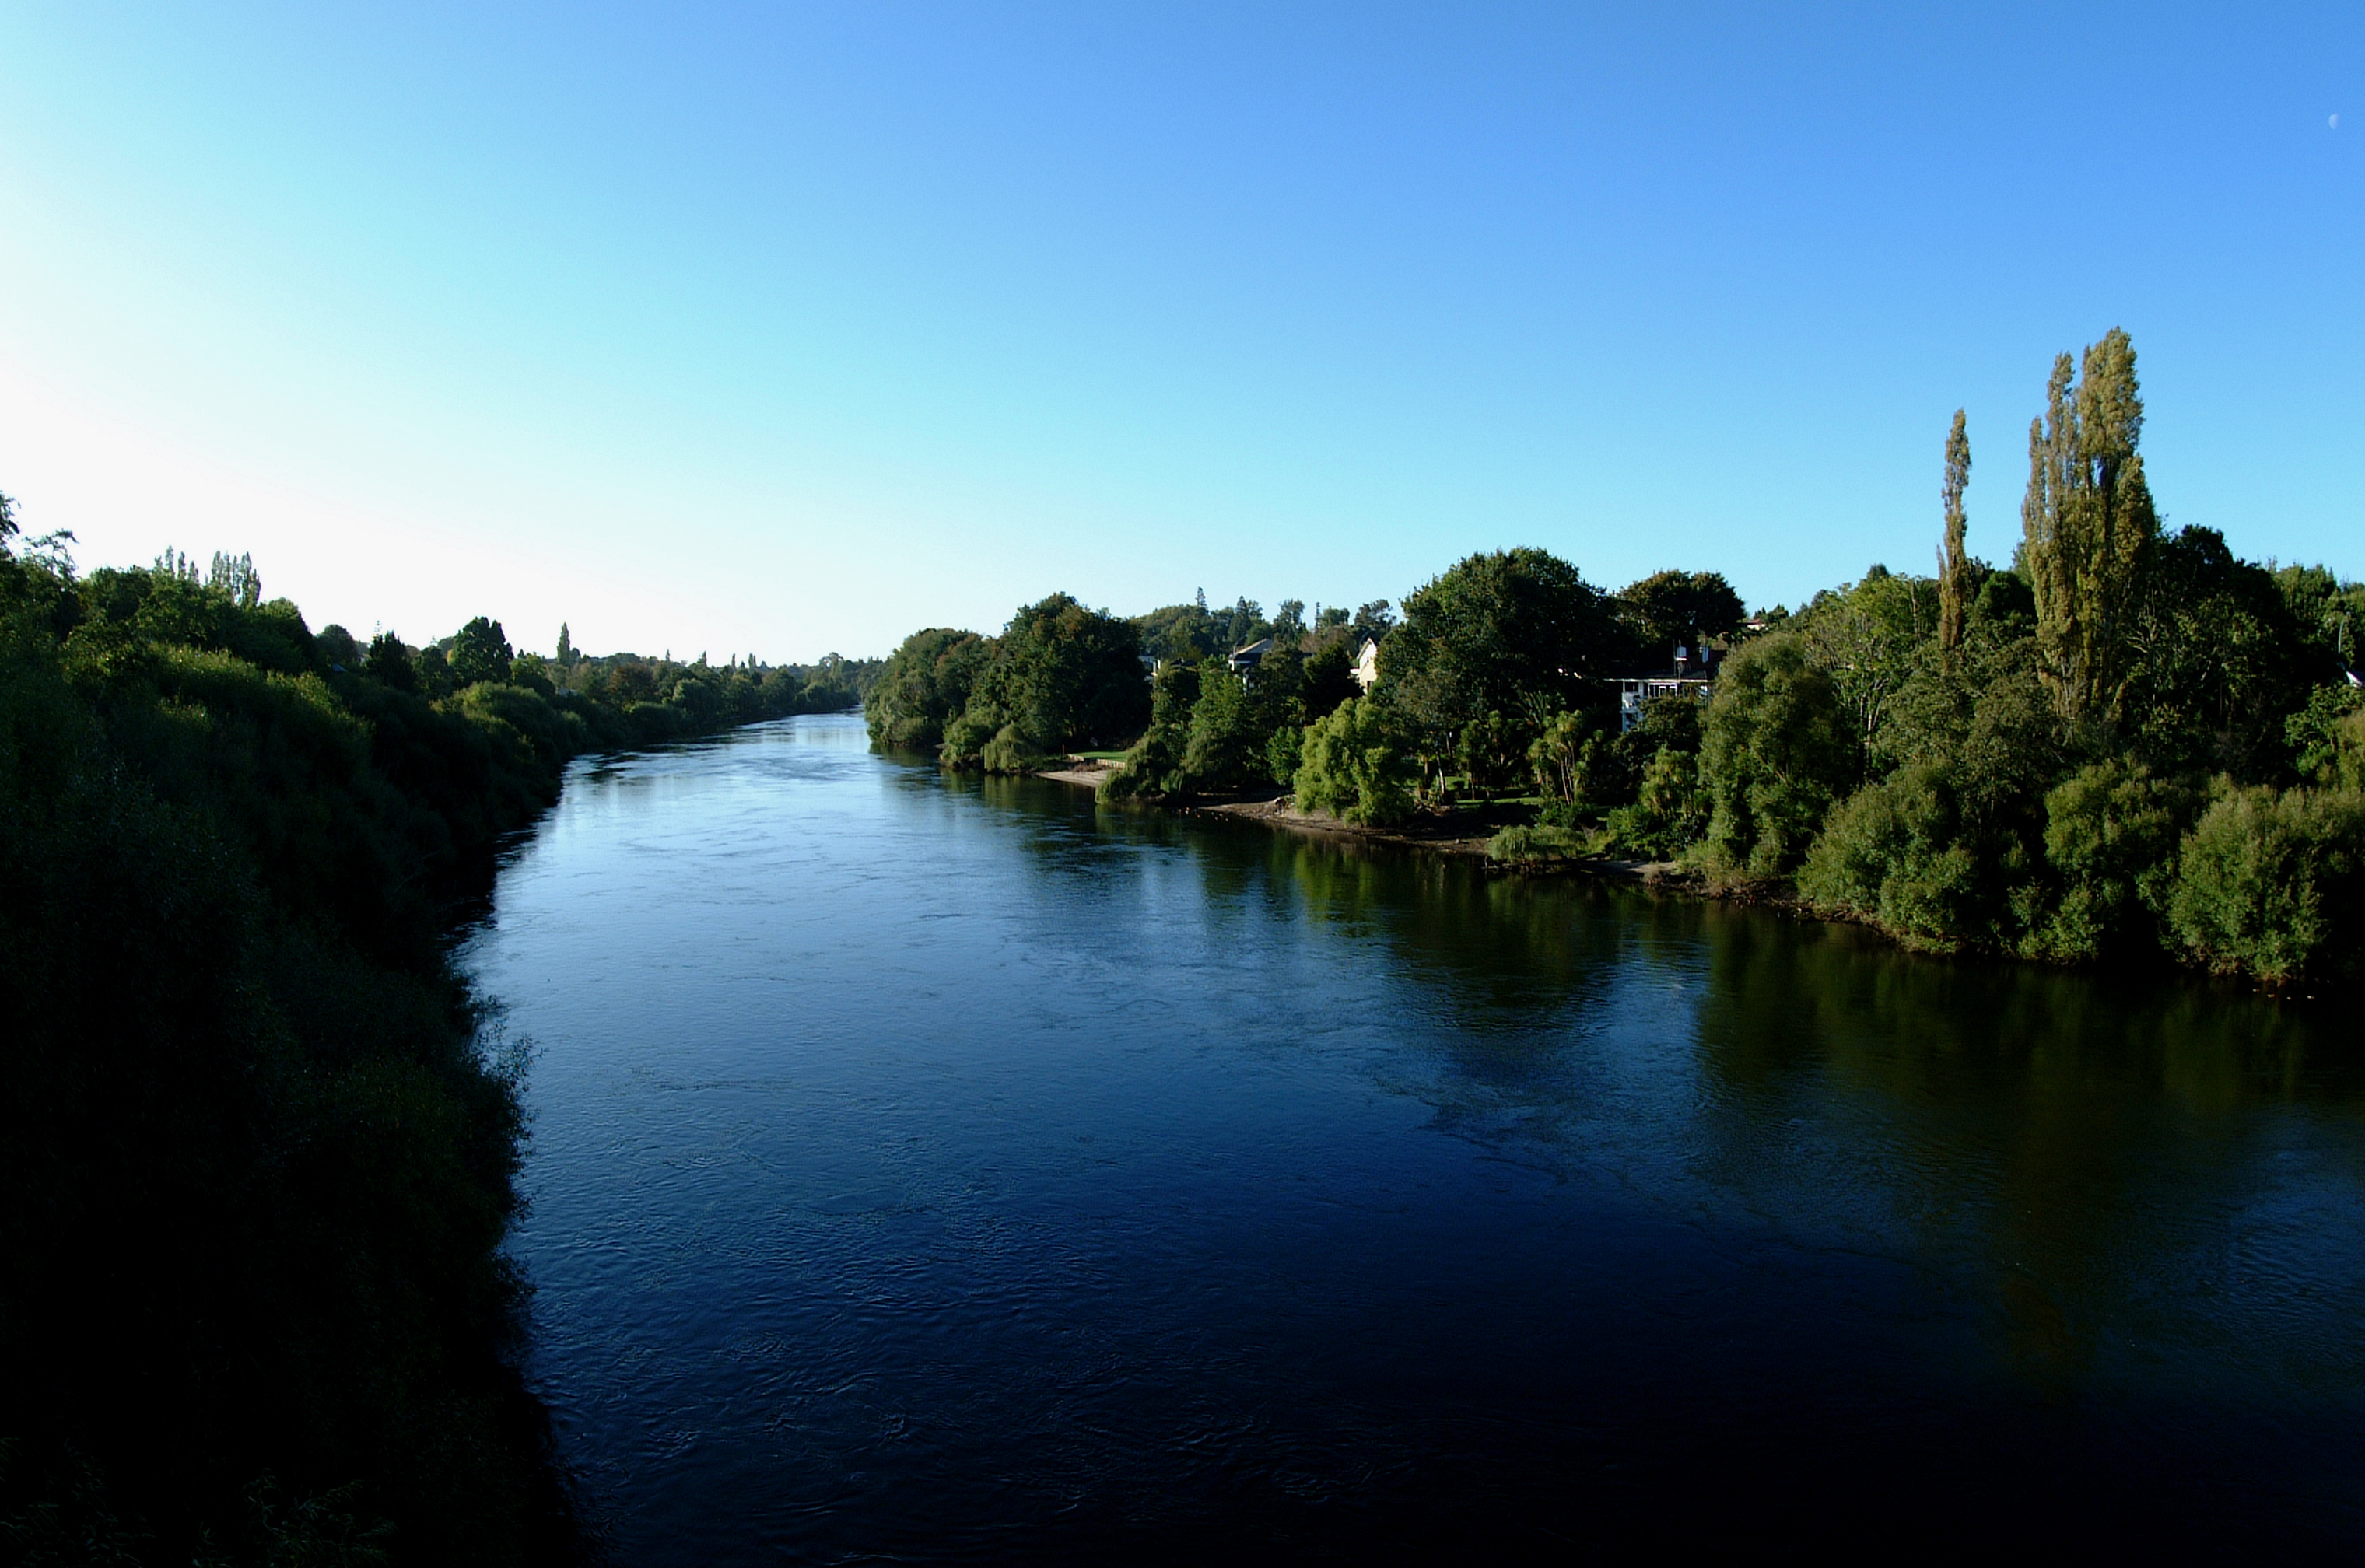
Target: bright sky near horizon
<point>790,329</point>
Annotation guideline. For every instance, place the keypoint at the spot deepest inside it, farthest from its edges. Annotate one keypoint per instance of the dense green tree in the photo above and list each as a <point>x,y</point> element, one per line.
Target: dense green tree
<point>2216,664</point>
<point>1061,676</point>
<point>2330,614</point>
<point>926,683</point>
<point>389,663</point>
<point>534,673</point>
<point>235,579</point>
<point>2110,837</point>
<point>1669,812</point>
<point>1870,637</point>
<point>1225,742</point>
<point>1556,756</point>
<point>1669,610</point>
<point>1182,633</point>
<point>1329,675</point>
<point>1519,632</point>
<point>1944,849</point>
<point>1213,732</point>
<point>480,651</point>
<point>338,647</point>
<point>1777,753</point>
<point>978,726</point>
<point>1285,751</point>
<point>1897,854</point>
<point>2005,605</point>
<point>2088,525</point>
<point>2272,884</point>
<point>2327,738</point>
<point>1241,625</point>
<point>435,679</point>
<point>1352,766</point>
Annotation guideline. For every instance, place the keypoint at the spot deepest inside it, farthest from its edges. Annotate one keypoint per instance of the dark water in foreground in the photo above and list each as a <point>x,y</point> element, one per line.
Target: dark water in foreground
<point>931,1170</point>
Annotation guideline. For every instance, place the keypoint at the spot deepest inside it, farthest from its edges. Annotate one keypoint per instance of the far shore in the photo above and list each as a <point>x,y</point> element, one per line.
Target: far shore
<point>1452,831</point>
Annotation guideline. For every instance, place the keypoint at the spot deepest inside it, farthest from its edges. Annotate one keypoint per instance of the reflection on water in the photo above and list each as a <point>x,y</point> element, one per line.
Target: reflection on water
<point>954,1169</point>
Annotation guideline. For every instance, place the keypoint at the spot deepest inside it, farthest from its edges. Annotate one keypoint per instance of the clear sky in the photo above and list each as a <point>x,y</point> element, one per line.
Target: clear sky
<point>788,330</point>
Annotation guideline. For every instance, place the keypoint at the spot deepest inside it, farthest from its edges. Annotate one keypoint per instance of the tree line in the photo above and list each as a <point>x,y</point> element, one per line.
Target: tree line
<point>2127,742</point>
<point>1061,677</point>
<point>258,1140</point>
<point>609,701</point>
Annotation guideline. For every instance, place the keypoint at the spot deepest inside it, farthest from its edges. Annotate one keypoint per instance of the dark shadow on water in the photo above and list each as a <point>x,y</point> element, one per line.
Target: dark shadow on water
<point>1089,1185</point>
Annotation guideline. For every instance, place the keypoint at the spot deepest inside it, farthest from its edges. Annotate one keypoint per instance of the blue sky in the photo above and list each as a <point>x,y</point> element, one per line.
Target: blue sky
<point>788,330</point>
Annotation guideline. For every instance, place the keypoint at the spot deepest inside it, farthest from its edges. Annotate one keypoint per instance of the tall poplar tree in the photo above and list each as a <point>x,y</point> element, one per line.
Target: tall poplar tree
<point>1954,565</point>
<point>2088,525</point>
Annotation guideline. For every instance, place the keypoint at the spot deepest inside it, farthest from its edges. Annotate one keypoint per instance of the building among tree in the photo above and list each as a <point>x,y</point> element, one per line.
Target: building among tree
<point>1690,677</point>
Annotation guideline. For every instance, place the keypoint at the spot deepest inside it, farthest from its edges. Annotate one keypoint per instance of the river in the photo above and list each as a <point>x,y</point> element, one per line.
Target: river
<point>941,1168</point>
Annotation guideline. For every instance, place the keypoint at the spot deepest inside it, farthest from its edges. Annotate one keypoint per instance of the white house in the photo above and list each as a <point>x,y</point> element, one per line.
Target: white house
<point>1687,679</point>
<point>1633,691</point>
<point>1367,665</point>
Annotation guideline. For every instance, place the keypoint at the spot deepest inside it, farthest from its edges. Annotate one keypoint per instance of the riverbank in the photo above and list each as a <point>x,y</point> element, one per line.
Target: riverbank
<point>1456,830</point>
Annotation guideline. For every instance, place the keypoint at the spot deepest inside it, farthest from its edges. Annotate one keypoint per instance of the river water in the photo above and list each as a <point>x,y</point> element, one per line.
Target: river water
<point>932,1168</point>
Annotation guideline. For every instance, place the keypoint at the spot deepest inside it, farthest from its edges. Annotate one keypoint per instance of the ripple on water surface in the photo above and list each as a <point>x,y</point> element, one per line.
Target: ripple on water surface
<point>948,1168</point>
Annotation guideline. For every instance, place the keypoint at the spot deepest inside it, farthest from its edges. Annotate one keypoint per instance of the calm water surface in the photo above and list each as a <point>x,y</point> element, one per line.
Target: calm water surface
<point>933,1169</point>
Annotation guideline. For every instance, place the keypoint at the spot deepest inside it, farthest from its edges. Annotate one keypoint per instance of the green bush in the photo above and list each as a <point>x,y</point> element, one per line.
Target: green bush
<point>1353,768</point>
<point>1532,846</point>
<point>2110,837</point>
<point>1560,815</point>
<point>1609,767</point>
<point>1226,744</point>
<point>1558,754</point>
<point>1068,677</point>
<point>925,683</point>
<point>967,736</point>
<point>1012,752</point>
<point>1669,812</point>
<point>2272,884</point>
<point>1284,751</point>
<point>1892,854</point>
<point>1775,753</point>
<point>2327,737</point>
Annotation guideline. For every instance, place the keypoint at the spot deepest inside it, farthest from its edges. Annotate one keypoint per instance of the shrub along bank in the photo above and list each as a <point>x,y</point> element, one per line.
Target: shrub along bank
<point>257,1143</point>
